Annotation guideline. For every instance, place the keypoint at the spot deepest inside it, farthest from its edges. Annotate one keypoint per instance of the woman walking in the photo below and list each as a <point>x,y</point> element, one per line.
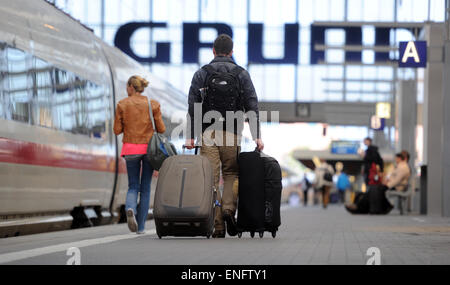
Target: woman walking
<point>324,181</point>
<point>133,120</point>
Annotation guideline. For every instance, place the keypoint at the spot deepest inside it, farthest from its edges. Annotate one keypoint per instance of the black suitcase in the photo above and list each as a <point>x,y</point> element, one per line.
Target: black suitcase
<point>185,197</point>
<point>362,202</point>
<point>272,189</point>
<point>376,199</point>
<point>259,196</point>
<point>358,197</point>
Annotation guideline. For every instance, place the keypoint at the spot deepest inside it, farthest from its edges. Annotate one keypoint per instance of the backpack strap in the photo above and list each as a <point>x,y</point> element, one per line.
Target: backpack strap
<point>209,69</point>
<point>235,71</point>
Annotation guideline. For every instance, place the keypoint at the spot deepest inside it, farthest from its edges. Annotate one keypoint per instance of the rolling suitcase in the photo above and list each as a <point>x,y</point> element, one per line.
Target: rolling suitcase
<point>272,191</point>
<point>378,203</point>
<point>251,198</point>
<point>361,200</point>
<point>259,194</point>
<point>185,197</point>
<point>376,197</point>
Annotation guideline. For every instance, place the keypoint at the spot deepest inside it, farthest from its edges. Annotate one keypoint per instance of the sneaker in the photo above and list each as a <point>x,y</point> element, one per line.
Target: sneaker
<point>230,222</point>
<point>218,234</point>
<point>131,220</point>
<point>141,233</point>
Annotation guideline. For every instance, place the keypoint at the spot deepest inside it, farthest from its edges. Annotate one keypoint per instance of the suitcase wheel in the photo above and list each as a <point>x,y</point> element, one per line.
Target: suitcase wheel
<point>261,234</point>
<point>239,234</point>
<point>252,234</point>
<point>274,234</point>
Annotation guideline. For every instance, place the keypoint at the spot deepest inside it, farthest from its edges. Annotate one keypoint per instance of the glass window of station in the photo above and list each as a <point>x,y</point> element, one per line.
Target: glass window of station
<point>295,50</point>
<point>35,92</point>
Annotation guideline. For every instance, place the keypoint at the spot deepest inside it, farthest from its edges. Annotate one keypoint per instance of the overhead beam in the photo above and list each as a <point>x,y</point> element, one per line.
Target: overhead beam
<point>373,24</point>
<point>332,113</point>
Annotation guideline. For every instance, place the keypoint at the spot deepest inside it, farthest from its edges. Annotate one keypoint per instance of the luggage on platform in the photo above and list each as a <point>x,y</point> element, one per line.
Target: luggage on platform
<point>185,197</point>
<point>259,197</point>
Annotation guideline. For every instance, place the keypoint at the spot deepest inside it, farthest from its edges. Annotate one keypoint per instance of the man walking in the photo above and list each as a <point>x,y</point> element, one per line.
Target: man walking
<point>224,91</point>
<point>371,160</point>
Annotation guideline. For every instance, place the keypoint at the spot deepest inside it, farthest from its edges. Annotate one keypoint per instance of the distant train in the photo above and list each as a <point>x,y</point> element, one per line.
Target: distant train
<point>59,85</point>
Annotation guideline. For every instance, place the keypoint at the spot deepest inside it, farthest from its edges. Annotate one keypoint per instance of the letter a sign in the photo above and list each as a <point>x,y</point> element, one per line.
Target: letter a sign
<point>413,54</point>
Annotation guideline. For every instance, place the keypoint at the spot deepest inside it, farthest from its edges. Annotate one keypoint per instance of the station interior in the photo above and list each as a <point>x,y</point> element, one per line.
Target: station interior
<point>327,73</point>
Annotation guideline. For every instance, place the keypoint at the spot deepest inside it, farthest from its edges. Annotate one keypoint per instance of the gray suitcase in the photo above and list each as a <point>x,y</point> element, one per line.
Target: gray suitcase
<point>185,197</point>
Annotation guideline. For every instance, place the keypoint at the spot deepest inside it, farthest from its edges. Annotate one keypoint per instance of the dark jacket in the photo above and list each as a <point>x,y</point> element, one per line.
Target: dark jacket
<point>249,98</point>
<point>372,156</point>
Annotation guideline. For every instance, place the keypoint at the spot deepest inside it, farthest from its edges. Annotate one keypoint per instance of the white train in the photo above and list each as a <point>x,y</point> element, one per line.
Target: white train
<point>59,85</point>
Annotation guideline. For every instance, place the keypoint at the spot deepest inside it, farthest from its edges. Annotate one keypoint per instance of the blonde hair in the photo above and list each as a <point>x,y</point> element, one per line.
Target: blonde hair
<point>138,83</point>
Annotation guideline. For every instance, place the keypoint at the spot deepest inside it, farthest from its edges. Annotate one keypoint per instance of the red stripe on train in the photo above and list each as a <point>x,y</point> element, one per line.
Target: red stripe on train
<point>21,152</point>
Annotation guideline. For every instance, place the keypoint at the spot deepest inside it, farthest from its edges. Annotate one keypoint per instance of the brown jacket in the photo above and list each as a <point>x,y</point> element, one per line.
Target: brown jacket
<point>133,119</point>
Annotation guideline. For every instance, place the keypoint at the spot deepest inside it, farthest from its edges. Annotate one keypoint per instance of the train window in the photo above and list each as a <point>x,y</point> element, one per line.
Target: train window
<point>97,108</point>
<point>36,92</point>
<point>63,101</point>
<point>85,112</point>
<point>3,68</point>
<point>42,94</point>
<point>18,84</point>
<point>80,108</point>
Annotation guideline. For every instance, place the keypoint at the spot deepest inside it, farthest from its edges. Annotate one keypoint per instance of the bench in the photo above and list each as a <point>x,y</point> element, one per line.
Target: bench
<point>402,197</point>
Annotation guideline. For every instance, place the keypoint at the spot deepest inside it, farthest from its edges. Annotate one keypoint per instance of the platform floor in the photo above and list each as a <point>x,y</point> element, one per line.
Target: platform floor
<point>309,235</point>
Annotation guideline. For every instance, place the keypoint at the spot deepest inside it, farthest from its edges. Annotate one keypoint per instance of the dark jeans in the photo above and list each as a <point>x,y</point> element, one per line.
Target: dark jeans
<point>139,179</point>
<point>341,196</point>
<point>305,197</point>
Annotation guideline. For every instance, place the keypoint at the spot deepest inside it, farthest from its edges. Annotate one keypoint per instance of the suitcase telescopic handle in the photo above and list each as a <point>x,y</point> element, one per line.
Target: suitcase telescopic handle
<point>197,147</point>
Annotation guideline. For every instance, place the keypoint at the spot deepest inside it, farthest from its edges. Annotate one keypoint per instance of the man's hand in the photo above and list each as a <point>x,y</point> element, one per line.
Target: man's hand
<point>189,143</point>
<point>259,144</point>
<point>361,152</point>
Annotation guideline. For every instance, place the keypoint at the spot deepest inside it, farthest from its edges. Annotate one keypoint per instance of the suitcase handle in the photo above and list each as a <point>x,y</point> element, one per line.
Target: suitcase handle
<point>196,148</point>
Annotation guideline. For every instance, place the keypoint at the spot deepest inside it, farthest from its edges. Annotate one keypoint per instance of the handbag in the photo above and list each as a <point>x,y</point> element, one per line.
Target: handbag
<point>327,176</point>
<point>159,147</point>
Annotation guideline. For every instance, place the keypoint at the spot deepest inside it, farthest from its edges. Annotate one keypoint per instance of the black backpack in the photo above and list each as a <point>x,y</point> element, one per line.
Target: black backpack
<point>223,90</point>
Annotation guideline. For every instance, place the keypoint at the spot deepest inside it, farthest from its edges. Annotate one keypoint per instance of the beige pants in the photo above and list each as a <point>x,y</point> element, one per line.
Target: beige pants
<point>223,156</point>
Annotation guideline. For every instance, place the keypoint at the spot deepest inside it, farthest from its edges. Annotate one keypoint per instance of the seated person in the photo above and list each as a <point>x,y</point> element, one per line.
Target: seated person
<point>397,180</point>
